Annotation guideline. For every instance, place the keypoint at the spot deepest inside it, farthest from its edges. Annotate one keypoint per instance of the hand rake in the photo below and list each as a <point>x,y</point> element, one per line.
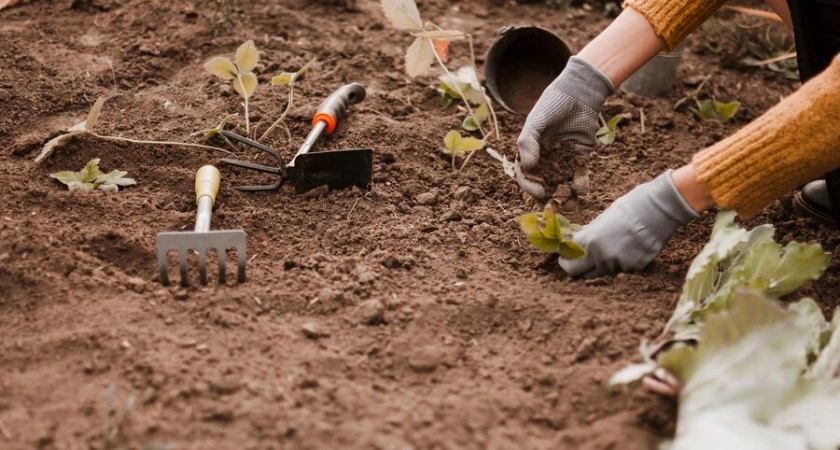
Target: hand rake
<point>202,238</point>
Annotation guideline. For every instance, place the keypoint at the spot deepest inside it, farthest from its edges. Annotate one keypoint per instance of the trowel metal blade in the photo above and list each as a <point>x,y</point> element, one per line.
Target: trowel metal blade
<point>338,169</point>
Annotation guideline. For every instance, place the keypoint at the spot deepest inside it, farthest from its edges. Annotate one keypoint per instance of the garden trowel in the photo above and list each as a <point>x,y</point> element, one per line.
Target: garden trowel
<point>202,238</point>
<point>307,170</point>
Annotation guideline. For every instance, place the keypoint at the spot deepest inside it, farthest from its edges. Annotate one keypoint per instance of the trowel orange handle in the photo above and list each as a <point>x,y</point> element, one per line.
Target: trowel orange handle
<point>332,109</point>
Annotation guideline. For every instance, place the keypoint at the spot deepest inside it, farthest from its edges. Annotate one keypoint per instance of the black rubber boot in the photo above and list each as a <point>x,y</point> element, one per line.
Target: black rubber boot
<point>813,201</point>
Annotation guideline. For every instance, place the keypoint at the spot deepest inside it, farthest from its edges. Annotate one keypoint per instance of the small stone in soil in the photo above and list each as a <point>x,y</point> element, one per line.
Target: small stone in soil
<point>314,330</point>
<point>370,312</point>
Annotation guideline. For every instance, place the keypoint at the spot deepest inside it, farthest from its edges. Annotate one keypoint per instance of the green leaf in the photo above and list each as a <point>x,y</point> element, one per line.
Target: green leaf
<point>458,146</point>
<point>714,110</point>
<point>221,67</point>
<point>569,249</point>
<point>89,173</point>
<point>474,121</point>
<point>283,78</point>
<point>246,57</point>
<point>544,244</point>
<point>90,177</point>
<point>606,134</point>
<point>466,80</point>
<point>548,233</point>
<point>530,223</point>
<point>218,128</point>
<point>801,263</point>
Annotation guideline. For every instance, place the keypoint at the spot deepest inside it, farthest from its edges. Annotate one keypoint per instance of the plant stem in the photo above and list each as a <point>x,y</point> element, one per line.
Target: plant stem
<point>467,160</point>
<point>483,94</point>
<point>286,112</point>
<point>139,141</point>
<point>244,96</point>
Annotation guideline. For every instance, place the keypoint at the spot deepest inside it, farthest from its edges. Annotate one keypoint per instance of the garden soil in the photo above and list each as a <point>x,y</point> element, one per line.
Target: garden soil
<point>414,315</point>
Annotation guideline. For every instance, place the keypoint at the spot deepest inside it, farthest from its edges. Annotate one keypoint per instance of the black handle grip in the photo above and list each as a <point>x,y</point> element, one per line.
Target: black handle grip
<point>333,108</point>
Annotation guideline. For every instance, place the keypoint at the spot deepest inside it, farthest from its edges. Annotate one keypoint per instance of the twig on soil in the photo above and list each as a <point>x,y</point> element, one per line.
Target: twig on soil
<point>113,73</point>
<point>140,141</point>
<point>5,431</point>
<point>252,258</point>
<point>642,119</point>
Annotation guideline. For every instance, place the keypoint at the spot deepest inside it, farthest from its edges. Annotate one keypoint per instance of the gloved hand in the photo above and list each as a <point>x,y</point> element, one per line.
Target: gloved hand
<point>632,231</point>
<point>567,111</point>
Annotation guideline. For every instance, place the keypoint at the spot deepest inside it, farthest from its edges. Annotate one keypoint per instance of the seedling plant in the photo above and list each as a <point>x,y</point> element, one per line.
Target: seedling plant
<point>709,109</point>
<point>607,133</point>
<point>240,72</point>
<point>430,45</point>
<point>550,232</point>
<point>747,371</point>
<point>91,178</point>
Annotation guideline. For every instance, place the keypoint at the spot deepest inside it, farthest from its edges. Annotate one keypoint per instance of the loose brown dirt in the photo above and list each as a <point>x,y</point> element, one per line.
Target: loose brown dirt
<point>412,316</point>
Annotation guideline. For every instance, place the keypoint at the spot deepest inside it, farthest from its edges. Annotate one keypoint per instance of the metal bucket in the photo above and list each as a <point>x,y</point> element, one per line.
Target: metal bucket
<point>520,63</point>
<point>656,78</point>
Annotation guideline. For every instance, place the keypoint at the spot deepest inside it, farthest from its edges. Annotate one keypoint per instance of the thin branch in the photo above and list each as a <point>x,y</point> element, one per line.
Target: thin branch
<point>140,141</point>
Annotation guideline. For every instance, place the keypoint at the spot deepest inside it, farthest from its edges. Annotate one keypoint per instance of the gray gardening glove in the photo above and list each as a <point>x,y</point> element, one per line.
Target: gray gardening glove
<point>567,112</point>
<point>632,231</point>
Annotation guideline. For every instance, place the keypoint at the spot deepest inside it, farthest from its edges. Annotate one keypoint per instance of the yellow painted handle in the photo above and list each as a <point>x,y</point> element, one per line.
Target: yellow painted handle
<point>207,183</point>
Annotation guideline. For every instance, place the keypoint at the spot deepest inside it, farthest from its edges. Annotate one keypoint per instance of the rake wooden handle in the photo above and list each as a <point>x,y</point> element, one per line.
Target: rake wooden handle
<point>207,183</point>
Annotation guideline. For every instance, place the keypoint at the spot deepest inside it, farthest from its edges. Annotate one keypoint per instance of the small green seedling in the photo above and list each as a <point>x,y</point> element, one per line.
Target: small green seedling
<point>431,44</point>
<point>715,110</point>
<point>709,109</point>
<point>463,80</point>
<point>550,232</point>
<point>474,121</point>
<point>91,178</point>
<point>606,134</point>
<point>86,128</point>
<point>244,80</point>
<point>286,79</point>
<point>457,146</point>
<point>211,132</point>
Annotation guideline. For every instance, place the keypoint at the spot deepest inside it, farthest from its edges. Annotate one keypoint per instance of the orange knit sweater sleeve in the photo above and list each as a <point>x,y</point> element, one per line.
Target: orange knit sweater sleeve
<point>673,20</point>
<point>795,142</point>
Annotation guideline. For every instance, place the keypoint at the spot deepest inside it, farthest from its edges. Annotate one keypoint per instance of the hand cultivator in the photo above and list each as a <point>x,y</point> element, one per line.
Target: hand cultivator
<point>202,239</point>
<point>337,169</point>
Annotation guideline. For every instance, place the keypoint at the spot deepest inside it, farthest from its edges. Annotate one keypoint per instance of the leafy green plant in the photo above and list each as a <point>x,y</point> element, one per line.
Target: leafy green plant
<point>606,134</point>
<point>735,259</point>
<point>748,372</point>
<point>457,146</point>
<point>87,126</point>
<point>240,71</point>
<point>286,79</point>
<point>709,109</point>
<point>550,232</point>
<point>90,178</point>
<point>431,44</point>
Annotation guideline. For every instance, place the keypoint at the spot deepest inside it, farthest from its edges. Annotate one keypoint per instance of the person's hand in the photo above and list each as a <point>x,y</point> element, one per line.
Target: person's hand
<point>567,112</point>
<point>632,231</point>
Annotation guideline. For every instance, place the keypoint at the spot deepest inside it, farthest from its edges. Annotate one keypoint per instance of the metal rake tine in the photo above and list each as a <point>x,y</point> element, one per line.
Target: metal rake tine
<point>182,264</point>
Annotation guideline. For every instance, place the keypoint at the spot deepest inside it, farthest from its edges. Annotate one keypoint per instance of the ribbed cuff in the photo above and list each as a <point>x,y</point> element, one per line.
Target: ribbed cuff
<point>592,86</point>
<point>673,20</point>
<point>665,209</point>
